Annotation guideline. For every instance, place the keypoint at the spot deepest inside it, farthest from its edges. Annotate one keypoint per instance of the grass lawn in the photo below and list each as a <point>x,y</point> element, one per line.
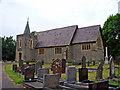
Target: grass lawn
<point>91,75</point>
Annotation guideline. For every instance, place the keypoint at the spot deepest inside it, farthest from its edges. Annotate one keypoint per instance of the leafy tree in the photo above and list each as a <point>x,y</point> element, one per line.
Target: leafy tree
<point>8,48</point>
<point>33,32</point>
<point>111,34</point>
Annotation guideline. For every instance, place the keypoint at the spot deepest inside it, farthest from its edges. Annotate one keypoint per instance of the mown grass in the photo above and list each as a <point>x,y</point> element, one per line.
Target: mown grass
<point>15,77</point>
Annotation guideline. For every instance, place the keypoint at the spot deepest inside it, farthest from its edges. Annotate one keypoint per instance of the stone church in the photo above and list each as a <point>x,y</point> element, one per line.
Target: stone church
<point>69,43</point>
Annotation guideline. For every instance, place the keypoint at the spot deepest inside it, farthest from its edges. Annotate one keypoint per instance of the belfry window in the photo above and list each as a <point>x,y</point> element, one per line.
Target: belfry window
<point>20,43</point>
<point>31,43</point>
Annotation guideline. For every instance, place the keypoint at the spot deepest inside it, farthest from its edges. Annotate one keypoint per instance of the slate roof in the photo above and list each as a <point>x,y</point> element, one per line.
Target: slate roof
<point>86,34</point>
<point>27,29</point>
<point>56,37</point>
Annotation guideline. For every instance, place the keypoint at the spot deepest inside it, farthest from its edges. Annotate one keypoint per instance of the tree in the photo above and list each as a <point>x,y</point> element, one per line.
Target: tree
<point>111,34</point>
<point>8,48</point>
<point>33,32</point>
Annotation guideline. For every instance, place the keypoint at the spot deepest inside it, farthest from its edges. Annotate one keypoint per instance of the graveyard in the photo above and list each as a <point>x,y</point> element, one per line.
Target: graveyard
<point>65,75</point>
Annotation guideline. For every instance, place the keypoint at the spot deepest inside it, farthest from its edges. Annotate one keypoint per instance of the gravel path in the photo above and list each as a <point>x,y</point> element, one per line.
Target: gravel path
<point>7,83</point>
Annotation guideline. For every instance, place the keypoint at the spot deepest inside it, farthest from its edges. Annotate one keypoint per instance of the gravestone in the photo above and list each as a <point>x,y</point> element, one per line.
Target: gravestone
<point>93,62</point>
<point>20,63</point>
<point>15,67</point>
<point>112,68</point>
<point>83,74</point>
<point>41,72</point>
<point>19,69</point>
<point>83,62</point>
<point>106,57</point>
<point>51,81</point>
<point>56,66</point>
<point>99,70</point>
<point>117,59</point>
<point>27,62</point>
<point>71,74</point>
<point>23,68</point>
<point>33,66</point>
<point>99,85</point>
<point>63,65</point>
<point>88,64</point>
<point>38,65</point>
<point>29,74</point>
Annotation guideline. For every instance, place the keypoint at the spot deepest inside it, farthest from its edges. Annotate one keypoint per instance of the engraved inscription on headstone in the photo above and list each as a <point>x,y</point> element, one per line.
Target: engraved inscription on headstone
<point>51,81</point>
<point>71,74</point>
<point>99,70</point>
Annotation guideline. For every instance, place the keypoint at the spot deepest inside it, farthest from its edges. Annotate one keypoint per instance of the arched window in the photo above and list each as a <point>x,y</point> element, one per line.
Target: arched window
<point>31,43</point>
<point>20,43</point>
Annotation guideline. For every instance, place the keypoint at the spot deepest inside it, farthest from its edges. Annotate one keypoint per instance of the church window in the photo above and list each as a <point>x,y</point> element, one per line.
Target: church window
<point>20,43</point>
<point>86,46</point>
<point>31,43</point>
<point>58,50</point>
<point>41,50</point>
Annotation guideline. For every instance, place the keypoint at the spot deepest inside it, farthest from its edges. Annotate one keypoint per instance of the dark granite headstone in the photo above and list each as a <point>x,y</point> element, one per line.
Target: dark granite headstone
<point>63,65</point>
<point>15,67</point>
<point>99,85</point>
<point>83,74</point>
<point>93,62</point>
<point>99,70</point>
<point>29,74</point>
<point>88,64</point>
<point>23,68</point>
<point>51,81</point>
<point>71,74</point>
<point>112,68</point>
<point>83,62</point>
<point>20,63</point>
<point>41,72</point>
<point>38,65</point>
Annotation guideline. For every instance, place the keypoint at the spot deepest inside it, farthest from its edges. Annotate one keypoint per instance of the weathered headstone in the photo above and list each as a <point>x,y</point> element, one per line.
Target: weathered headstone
<point>99,70</point>
<point>23,68</point>
<point>88,64</point>
<point>93,62</point>
<point>51,81</point>
<point>83,74</point>
<point>83,62</point>
<point>56,66</point>
<point>99,85</point>
<point>41,72</point>
<point>19,69</point>
<point>112,68</point>
<point>20,63</point>
<point>29,74</point>
<point>71,74</point>
<point>27,62</point>
<point>63,65</point>
<point>38,65</point>
<point>15,67</point>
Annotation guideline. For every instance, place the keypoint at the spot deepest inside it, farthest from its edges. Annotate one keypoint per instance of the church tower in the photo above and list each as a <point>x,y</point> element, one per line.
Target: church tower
<point>25,45</point>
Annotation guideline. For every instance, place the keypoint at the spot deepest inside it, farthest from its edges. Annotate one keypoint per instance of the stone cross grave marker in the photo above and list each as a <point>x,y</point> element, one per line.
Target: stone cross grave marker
<point>20,63</point>
<point>83,62</point>
<point>51,81</point>
<point>15,67</point>
<point>99,70</point>
<point>29,74</point>
<point>71,74</point>
<point>41,72</point>
<point>83,74</point>
<point>38,65</point>
<point>112,67</point>
<point>99,85</point>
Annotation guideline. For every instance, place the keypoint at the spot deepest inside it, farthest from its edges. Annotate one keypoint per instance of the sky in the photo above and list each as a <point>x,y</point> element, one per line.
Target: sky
<point>49,14</point>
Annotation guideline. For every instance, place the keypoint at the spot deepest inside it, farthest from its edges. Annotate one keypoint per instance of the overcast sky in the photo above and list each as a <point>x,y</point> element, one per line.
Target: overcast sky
<point>49,14</point>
